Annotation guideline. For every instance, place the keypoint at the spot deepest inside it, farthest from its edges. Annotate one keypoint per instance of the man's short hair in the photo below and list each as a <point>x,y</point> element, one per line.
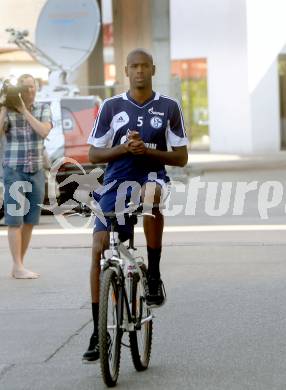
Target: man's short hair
<point>24,77</point>
<point>139,50</point>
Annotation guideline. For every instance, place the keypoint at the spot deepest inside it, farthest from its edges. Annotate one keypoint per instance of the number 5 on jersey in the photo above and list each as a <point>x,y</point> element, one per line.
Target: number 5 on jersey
<point>140,121</point>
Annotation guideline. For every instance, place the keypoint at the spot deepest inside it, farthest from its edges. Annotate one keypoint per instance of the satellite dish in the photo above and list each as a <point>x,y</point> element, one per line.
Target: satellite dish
<point>67,31</point>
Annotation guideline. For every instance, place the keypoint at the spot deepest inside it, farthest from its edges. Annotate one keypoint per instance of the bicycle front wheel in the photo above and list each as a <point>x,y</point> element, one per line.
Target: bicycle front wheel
<point>109,330</point>
<point>141,339</point>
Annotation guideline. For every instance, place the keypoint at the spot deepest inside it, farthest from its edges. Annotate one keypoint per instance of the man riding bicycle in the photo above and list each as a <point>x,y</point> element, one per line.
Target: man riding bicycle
<point>132,134</point>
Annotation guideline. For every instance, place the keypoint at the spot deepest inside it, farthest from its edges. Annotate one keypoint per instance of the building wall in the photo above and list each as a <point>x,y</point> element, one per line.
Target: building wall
<point>266,29</point>
<point>19,14</point>
<point>23,15</point>
<point>241,40</point>
<point>145,24</point>
<point>15,63</point>
<point>134,29</point>
<point>186,68</point>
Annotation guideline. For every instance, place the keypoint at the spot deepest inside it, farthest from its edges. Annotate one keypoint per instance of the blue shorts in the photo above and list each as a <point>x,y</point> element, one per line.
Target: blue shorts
<point>117,197</point>
<point>23,195</point>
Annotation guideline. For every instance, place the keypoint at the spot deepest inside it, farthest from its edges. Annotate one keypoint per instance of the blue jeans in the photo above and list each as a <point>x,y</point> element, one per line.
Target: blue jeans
<point>23,195</point>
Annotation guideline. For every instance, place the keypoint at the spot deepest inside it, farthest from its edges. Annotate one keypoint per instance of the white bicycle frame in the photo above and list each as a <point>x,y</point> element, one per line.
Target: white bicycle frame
<point>130,265</point>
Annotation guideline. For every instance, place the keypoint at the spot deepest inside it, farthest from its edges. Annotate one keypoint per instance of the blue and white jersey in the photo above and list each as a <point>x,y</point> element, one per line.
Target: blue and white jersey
<point>159,122</point>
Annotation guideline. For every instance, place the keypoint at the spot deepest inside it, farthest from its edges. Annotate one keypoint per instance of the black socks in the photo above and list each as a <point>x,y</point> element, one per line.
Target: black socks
<point>95,309</point>
<point>154,256</point>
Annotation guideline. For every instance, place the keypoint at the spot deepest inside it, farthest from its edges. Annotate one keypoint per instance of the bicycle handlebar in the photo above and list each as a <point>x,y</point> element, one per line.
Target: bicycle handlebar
<point>86,211</point>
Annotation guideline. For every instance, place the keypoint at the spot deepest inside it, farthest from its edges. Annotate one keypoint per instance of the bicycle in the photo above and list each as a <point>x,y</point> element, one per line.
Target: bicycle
<point>122,304</point>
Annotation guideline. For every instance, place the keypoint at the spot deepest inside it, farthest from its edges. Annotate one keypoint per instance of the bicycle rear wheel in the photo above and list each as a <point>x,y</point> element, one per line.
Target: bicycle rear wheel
<point>141,339</point>
<point>109,331</point>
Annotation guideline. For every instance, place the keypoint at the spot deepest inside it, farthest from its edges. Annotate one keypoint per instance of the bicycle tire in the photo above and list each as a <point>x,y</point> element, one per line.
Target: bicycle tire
<point>109,354</point>
<point>143,337</point>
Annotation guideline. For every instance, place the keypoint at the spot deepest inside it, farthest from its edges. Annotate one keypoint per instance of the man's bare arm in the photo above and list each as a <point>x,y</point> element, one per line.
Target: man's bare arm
<point>105,155</point>
<point>178,157</point>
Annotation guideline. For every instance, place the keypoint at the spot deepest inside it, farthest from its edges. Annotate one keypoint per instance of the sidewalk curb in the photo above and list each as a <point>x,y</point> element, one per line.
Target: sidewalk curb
<point>209,163</point>
<point>234,166</point>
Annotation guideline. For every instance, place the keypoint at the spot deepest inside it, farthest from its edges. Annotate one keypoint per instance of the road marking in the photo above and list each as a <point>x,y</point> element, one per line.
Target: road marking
<point>167,229</point>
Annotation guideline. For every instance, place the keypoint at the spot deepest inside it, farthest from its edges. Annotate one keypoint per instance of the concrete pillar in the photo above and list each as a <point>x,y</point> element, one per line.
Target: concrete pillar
<point>80,78</point>
<point>95,64</point>
<point>243,77</point>
<point>142,23</point>
<point>228,96</point>
<point>91,72</point>
<point>160,17</point>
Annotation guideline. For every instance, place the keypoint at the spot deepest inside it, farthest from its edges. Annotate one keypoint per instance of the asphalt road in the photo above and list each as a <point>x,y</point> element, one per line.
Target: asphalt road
<point>222,328</point>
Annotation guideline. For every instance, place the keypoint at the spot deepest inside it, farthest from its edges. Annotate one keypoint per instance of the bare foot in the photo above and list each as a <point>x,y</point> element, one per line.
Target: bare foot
<point>24,274</point>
